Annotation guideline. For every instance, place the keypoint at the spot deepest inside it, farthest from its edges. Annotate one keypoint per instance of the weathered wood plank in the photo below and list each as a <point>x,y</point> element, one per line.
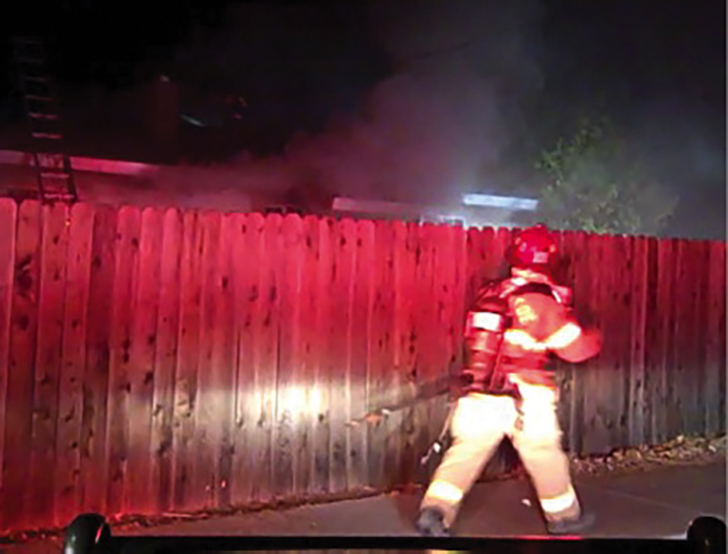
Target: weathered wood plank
<point>652,354</point>
<point>207,434</point>
<point>621,318</point>
<point>715,343</point>
<point>96,377</point>
<point>320,260</point>
<point>678,368</point>
<point>599,372</point>
<point>454,317</point>
<point>291,392</point>
<point>637,302</point>
<point>161,485</point>
<point>662,394</point>
<point>307,355</point>
<point>456,309</point>
<point>400,457</point>
<point>429,337</point>
<point>224,361</point>
<point>321,478</point>
<point>653,342</point>
<point>609,379</point>
<point>343,234</point>
<point>490,263</point>
<point>474,265</point>
<point>576,277</point>
<point>54,244</point>
<point>497,264</point>
<point>698,373</point>
<point>8,226</point>
<point>266,343</point>
<point>381,344</point>
<point>352,383</point>
<point>141,367</point>
<point>186,385</point>
<point>21,367</point>
<point>361,321</point>
<point>246,259</point>
<point>679,382</point>
<point>721,332</point>
<point>70,408</point>
<point>694,374</point>
<point>126,272</point>
<point>439,320</point>
<point>393,378</point>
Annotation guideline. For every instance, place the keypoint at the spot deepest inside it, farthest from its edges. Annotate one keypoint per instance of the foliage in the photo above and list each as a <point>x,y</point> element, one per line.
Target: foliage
<point>596,183</point>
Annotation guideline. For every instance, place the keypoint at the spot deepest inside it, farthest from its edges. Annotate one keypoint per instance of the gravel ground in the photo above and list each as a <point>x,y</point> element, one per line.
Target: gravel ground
<point>678,451</point>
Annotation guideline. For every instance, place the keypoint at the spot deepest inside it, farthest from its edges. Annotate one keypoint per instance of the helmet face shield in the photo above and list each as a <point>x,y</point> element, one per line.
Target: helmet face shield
<point>534,248</point>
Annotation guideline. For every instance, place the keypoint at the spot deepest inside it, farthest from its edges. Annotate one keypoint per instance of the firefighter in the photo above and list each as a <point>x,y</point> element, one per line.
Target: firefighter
<point>506,390</point>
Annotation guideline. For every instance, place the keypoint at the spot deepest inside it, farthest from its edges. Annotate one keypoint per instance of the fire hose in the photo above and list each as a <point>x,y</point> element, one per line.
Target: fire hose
<point>425,391</point>
<point>428,391</point>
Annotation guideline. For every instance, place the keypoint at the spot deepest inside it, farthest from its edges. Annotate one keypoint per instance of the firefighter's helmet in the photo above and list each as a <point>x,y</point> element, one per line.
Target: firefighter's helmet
<point>534,248</point>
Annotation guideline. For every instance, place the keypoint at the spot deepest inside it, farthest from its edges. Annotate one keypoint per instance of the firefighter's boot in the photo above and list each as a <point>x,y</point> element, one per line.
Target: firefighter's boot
<point>431,523</point>
<point>571,525</point>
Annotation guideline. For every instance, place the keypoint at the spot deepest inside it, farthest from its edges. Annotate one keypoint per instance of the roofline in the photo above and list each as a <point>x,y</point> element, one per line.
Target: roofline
<point>79,163</point>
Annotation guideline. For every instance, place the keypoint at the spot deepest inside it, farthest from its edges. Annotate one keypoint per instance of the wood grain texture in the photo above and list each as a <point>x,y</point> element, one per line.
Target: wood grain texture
<point>49,351</point>
<point>71,388</point>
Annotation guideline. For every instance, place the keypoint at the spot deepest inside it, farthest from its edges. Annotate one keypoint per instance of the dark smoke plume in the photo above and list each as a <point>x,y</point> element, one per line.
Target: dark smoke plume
<point>439,124</point>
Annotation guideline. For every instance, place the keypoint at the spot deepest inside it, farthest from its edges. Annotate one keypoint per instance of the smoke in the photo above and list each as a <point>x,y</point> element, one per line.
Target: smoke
<point>449,116</point>
<point>429,131</point>
<point>440,123</point>
<point>684,149</point>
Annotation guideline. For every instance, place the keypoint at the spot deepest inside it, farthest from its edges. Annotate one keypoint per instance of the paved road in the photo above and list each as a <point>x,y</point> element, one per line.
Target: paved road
<point>658,503</point>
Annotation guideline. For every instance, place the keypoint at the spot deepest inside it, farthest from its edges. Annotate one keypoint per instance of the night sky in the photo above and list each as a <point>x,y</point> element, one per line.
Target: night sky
<point>426,98</point>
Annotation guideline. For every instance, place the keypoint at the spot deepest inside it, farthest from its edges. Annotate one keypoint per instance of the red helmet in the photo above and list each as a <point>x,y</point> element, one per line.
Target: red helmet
<point>534,248</point>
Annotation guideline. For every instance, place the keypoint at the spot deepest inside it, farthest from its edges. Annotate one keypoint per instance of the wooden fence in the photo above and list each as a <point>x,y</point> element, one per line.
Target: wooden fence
<point>155,361</point>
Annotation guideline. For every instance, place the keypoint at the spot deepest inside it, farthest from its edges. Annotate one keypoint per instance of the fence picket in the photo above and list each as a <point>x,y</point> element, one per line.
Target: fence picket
<point>21,366</point>
<point>141,366</point>
<point>343,234</point>
<point>8,227</point>
<point>246,253</point>
<point>68,478</point>
<point>637,301</point>
<point>185,381</point>
<point>49,349</point>
<point>208,429</point>
<point>96,376</point>
<point>291,393</point>
<point>361,326</point>
<point>161,484</point>
<point>412,272</point>
<point>715,340</point>
<point>223,363</point>
<point>265,351</point>
<point>380,349</point>
<point>120,348</point>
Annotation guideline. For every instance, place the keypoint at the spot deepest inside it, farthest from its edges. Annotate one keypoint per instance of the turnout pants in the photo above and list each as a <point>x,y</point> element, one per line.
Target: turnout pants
<point>478,425</point>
